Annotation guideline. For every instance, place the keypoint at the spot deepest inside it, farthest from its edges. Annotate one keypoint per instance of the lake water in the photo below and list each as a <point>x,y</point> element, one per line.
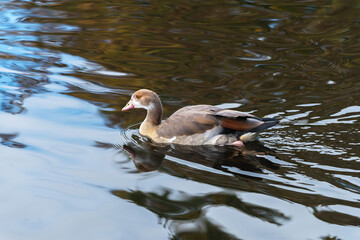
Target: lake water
<point>73,166</point>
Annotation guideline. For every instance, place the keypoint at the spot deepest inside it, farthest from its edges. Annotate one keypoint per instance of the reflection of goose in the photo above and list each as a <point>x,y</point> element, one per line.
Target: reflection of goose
<point>144,160</point>
<point>197,124</point>
<point>148,156</point>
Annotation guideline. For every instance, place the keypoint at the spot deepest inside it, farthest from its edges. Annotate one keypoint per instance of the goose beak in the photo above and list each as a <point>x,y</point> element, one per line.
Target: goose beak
<point>128,106</point>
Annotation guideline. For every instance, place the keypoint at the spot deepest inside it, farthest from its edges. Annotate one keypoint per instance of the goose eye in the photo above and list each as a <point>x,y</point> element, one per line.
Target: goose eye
<point>137,97</point>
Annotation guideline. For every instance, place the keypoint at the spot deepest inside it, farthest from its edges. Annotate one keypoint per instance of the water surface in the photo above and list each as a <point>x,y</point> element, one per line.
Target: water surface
<point>73,166</point>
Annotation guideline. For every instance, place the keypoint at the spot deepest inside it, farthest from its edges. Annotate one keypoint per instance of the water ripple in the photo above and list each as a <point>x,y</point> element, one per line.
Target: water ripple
<point>252,56</point>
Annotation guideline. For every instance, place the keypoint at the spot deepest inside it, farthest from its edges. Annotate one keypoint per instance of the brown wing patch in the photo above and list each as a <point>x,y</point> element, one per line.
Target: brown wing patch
<point>238,121</point>
<point>240,124</point>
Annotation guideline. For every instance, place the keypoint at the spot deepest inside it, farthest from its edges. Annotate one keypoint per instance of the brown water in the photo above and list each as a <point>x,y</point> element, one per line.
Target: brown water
<point>73,166</point>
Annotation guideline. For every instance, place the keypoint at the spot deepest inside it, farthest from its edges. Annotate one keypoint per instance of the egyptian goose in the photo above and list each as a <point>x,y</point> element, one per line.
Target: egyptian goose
<point>197,124</point>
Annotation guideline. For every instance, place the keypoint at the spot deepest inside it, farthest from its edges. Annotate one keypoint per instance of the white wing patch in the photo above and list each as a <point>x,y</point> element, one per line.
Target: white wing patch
<point>170,140</point>
<point>249,137</point>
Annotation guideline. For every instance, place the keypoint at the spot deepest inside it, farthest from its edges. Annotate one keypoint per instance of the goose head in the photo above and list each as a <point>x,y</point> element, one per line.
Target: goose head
<point>143,98</point>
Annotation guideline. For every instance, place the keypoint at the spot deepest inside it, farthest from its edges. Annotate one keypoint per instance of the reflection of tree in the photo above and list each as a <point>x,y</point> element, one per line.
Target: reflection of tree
<point>18,88</point>
<point>7,140</point>
<point>337,217</point>
<point>197,52</point>
<point>265,186</point>
<point>202,229</point>
<point>192,208</point>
